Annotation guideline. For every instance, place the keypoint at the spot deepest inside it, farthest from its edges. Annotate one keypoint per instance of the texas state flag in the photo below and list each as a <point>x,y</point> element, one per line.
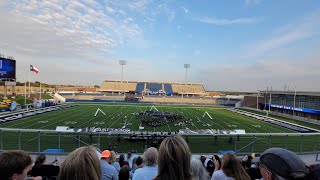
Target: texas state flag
<point>34,69</point>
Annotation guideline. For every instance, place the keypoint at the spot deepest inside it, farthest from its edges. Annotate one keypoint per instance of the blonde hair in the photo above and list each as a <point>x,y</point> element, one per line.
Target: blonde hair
<point>113,157</point>
<point>198,170</point>
<point>232,167</point>
<point>174,159</point>
<point>150,156</point>
<point>81,164</point>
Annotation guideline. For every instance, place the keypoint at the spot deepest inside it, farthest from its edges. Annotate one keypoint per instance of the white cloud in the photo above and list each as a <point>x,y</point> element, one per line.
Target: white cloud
<point>110,10</point>
<point>302,73</point>
<point>223,22</point>
<point>170,13</point>
<point>185,9</point>
<point>304,28</point>
<point>138,5</point>
<point>75,28</point>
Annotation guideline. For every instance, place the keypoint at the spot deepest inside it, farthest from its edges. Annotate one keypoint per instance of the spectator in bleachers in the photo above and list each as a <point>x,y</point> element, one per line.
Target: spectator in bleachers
<point>278,163</point>
<point>124,173</point>
<point>208,164</point>
<point>113,161</point>
<point>231,169</point>
<point>108,171</point>
<point>41,168</point>
<point>174,159</point>
<point>150,169</point>
<point>216,157</point>
<point>14,165</point>
<point>129,159</point>
<point>137,164</point>
<point>122,162</point>
<point>246,162</point>
<point>81,164</point>
<point>198,170</point>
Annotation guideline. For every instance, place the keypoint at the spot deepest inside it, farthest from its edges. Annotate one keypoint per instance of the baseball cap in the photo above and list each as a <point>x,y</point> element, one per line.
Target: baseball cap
<point>283,163</point>
<point>208,163</point>
<point>105,154</point>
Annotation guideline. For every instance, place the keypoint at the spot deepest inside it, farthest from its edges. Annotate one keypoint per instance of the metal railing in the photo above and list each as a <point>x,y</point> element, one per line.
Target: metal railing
<point>40,140</point>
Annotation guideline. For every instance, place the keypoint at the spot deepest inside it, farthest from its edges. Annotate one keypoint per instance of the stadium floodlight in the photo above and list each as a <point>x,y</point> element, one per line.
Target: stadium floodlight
<point>122,63</point>
<point>186,66</point>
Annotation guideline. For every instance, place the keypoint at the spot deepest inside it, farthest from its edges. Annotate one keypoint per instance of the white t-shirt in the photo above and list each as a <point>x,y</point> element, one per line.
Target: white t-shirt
<point>219,175</point>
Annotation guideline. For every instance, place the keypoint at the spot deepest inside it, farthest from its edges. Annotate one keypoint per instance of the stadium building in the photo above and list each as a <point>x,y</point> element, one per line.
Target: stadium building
<point>304,105</point>
<point>153,88</point>
<point>149,92</point>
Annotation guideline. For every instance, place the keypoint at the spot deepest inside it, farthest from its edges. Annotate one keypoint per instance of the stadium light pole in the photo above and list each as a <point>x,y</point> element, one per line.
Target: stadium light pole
<point>122,63</point>
<point>186,66</point>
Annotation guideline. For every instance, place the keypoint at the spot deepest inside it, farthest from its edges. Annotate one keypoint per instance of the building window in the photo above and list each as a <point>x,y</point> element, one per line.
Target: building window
<point>301,104</point>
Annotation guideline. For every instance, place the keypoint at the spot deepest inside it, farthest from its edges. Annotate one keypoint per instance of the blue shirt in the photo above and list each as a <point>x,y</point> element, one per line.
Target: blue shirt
<point>108,172</point>
<point>116,165</point>
<point>145,173</point>
<point>219,175</point>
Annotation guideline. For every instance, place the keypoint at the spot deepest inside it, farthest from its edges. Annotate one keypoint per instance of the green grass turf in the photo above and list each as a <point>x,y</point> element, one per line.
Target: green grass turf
<point>83,116</point>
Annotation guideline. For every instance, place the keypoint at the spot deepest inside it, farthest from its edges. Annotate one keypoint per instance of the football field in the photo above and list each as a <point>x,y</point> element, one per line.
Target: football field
<point>116,116</point>
<point>120,115</point>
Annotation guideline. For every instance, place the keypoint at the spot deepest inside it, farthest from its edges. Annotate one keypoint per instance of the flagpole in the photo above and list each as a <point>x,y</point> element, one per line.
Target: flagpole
<point>25,93</point>
<point>29,83</point>
<point>265,99</point>
<point>270,99</point>
<point>294,100</point>
<point>40,91</point>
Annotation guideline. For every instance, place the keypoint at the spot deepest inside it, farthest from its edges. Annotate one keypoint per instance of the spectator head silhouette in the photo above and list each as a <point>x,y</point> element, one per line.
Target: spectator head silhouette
<point>106,155</point>
<point>150,156</point>
<point>14,165</point>
<point>81,164</point>
<point>198,170</point>
<point>232,167</point>
<point>277,163</point>
<point>174,159</point>
<point>124,173</point>
<point>113,157</point>
<point>40,160</point>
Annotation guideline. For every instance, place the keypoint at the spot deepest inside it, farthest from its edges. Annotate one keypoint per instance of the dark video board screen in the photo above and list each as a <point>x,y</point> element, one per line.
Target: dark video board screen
<point>7,68</point>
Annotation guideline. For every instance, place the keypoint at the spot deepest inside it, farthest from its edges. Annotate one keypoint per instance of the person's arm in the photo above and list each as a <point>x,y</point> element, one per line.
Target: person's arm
<point>56,161</point>
<point>216,164</point>
<point>115,177</point>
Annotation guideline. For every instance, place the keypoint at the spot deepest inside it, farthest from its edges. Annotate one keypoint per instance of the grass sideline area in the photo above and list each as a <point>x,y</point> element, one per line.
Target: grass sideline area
<point>116,114</point>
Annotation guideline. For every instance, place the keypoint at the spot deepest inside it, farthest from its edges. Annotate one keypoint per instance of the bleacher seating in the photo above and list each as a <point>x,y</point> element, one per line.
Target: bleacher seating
<point>167,87</point>
<point>161,99</point>
<point>188,88</point>
<point>118,86</point>
<point>140,87</point>
<point>154,87</point>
